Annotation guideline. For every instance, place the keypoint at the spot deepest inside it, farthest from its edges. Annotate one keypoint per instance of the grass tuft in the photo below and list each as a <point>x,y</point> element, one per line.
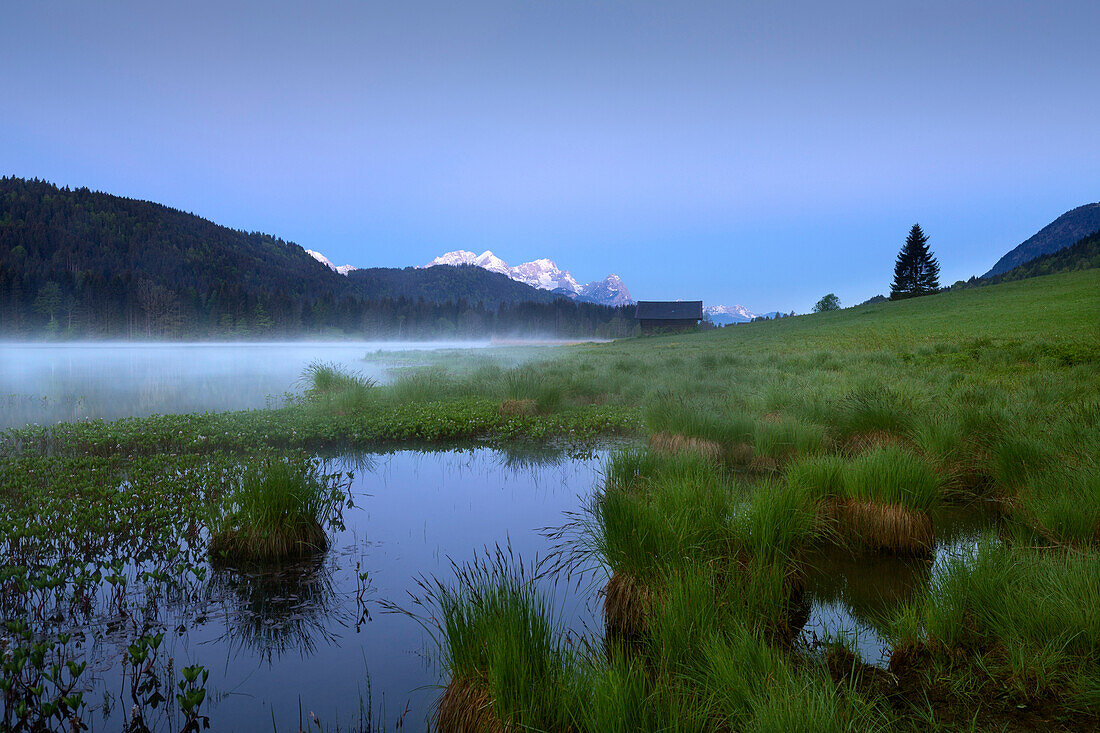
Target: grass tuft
<point>276,511</point>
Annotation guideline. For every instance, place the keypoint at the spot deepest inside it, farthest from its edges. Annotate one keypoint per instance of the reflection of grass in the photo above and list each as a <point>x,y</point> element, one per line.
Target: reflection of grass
<point>873,589</point>
<point>276,611</point>
<point>276,510</point>
<point>525,457</point>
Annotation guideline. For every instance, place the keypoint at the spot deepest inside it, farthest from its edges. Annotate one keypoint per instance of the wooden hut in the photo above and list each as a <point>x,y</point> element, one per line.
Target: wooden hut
<point>657,316</point>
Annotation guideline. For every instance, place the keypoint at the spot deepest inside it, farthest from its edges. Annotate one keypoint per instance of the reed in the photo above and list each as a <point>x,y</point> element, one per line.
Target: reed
<point>1063,503</point>
<point>893,475</point>
<point>627,606</point>
<point>502,650</point>
<point>869,525</point>
<point>336,389</point>
<point>276,510</point>
<point>671,443</point>
<point>873,410</point>
<point>820,477</point>
<point>698,419</point>
<point>323,378</point>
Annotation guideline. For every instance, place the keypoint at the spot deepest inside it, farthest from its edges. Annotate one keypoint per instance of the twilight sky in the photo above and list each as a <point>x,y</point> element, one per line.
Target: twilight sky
<point>761,153</point>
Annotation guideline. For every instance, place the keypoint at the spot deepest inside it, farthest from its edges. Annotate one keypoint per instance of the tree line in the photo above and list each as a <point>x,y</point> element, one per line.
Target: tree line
<point>79,263</point>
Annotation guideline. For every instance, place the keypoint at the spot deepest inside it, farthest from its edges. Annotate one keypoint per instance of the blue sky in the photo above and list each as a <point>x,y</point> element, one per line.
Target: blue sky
<point>761,153</point>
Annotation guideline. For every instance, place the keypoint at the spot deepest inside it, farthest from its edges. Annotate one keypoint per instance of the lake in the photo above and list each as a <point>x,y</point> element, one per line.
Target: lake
<point>51,382</point>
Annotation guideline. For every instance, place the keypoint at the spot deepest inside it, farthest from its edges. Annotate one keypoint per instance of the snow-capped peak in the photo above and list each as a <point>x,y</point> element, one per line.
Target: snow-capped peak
<point>609,291</point>
<point>729,313</point>
<point>489,261</point>
<point>544,274</point>
<point>321,258</point>
<point>342,269</point>
<point>458,257</point>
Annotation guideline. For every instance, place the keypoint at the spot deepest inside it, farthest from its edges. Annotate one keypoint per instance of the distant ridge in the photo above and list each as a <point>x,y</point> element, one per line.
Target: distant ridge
<point>725,314</point>
<point>76,263</point>
<point>1059,234</point>
<point>545,275</point>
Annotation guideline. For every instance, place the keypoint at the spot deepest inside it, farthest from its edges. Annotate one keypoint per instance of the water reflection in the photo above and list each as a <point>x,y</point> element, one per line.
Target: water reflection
<point>858,596</point>
<point>272,612</point>
<point>317,630</point>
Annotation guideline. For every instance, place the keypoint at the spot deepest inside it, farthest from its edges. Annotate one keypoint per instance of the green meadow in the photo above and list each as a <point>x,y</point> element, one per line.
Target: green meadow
<point>753,451</point>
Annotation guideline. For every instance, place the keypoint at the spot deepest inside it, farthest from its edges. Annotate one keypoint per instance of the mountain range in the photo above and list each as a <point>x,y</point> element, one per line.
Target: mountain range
<point>543,274</point>
<point>115,266</point>
<point>726,314</point>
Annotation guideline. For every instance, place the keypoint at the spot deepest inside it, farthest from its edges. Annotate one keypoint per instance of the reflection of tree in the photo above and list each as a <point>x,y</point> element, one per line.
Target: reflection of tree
<point>275,611</point>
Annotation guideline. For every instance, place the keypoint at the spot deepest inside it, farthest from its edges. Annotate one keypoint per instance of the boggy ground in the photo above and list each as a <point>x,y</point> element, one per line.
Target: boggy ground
<point>770,441</point>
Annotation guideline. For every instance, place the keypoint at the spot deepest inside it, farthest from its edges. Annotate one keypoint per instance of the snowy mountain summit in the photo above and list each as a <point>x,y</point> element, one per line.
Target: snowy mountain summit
<point>342,269</point>
<point>545,275</point>
<point>729,313</point>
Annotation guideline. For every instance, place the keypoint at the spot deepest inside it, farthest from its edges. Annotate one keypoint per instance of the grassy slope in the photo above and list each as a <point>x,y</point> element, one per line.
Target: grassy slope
<point>1059,308</point>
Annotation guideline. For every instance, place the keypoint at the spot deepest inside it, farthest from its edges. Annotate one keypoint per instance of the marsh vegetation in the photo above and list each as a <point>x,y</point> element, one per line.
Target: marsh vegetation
<point>755,457</point>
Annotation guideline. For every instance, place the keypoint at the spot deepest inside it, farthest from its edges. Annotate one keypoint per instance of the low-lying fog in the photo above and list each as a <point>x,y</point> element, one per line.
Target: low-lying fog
<point>51,382</point>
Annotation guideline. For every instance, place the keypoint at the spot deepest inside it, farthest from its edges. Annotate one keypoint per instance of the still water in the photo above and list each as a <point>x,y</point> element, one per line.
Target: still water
<point>858,596</point>
<point>313,640</point>
<point>47,383</point>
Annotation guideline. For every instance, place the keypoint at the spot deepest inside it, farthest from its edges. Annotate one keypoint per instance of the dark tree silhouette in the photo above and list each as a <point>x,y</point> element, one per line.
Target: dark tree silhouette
<point>916,271</point>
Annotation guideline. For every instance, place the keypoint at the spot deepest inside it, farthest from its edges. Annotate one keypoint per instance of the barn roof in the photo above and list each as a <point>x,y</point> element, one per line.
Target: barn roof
<point>663,310</point>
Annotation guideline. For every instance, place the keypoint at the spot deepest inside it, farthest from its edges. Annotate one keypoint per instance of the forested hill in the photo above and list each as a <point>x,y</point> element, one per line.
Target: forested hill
<point>443,283</point>
<point>1083,255</point>
<point>84,263</point>
<point>1059,234</point>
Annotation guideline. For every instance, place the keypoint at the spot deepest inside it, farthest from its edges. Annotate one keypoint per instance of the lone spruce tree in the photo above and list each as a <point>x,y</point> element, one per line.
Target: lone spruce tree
<point>916,271</point>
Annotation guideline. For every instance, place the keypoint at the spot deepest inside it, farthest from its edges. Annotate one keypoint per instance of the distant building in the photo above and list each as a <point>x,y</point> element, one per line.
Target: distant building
<point>657,316</point>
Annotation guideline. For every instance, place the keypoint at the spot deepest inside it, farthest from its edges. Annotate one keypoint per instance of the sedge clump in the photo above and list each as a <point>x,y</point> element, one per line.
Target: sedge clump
<point>277,510</point>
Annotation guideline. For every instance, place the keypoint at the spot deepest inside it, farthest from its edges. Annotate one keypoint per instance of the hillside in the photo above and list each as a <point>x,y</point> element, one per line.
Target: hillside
<point>1060,233</point>
<point>1083,255</point>
<point>445,283</point>
<point>84,263</point>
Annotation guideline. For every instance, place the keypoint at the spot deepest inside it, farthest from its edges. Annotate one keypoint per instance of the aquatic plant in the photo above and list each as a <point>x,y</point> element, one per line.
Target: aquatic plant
<point>338,389</point>
<point>278,509</point>
<point>502,649</point>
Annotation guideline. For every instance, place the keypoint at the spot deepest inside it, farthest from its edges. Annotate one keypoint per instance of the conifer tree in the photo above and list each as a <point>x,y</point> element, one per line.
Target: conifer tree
<point>916,271</point>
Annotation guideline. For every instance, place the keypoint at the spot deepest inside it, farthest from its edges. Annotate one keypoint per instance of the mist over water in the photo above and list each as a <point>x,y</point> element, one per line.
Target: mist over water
<point>51,382</point>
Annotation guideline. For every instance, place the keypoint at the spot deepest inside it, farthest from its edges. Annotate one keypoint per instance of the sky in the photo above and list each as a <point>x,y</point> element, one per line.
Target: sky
<point>760,153</point>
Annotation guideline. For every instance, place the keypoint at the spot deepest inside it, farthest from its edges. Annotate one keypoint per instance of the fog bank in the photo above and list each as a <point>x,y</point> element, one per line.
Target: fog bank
<point>48,382</point>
